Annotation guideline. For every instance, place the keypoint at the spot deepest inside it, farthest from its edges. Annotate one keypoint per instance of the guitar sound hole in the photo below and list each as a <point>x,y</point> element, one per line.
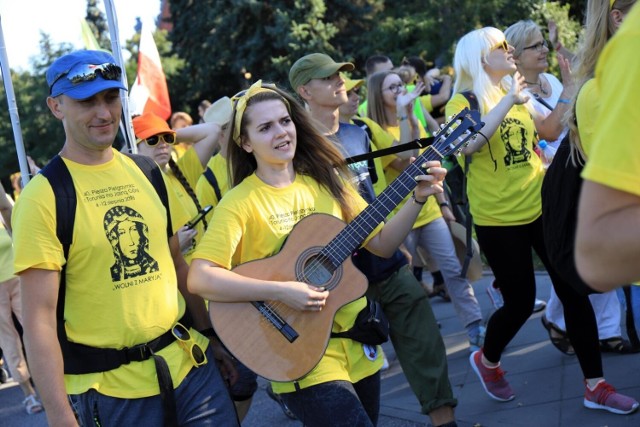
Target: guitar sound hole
<point>318,270</point>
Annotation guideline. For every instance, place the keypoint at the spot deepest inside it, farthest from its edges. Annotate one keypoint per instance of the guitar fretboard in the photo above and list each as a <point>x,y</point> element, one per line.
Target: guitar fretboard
<point>447,142</point>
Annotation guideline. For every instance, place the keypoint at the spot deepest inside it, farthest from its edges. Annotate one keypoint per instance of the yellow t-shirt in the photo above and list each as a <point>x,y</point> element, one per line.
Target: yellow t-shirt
<point>429,212</point>
<point>614,160</point>
<point>192,169</point>
<point>505,175</point>
<point>425,100</point>
<point>121,286</point>
<point>205,192</point>
<point>6,254</point>
<point>587,113</point>
<point>252,222</point>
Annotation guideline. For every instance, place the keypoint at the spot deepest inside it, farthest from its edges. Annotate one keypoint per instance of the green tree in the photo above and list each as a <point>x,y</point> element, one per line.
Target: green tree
<point>42,133</point>
<point>98,24</point>
<point>227,44</point>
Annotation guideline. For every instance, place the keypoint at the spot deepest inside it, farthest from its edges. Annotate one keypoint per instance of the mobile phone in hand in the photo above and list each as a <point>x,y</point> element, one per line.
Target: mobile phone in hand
<point>199,217</point>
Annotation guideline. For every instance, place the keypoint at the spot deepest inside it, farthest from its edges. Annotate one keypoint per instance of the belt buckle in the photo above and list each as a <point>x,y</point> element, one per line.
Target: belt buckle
<point>138,353</point>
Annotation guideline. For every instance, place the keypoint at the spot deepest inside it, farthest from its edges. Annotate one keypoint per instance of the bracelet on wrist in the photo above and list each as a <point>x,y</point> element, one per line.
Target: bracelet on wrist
<point>564,101</point>
<point>444,204</point>
<point>416,201</point>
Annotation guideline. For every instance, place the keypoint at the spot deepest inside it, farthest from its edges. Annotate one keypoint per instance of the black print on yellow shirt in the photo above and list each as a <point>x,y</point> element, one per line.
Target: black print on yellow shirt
<point>286,221</point>
<point>111,195</point>
<point>514,136</point>
<point>128,235</point>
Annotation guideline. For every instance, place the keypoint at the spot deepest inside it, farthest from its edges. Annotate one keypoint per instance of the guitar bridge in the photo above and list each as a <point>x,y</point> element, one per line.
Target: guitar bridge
<point>276,321</point>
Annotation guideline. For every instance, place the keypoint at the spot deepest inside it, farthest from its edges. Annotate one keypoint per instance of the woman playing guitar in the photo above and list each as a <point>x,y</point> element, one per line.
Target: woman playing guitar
<point>283,170</point>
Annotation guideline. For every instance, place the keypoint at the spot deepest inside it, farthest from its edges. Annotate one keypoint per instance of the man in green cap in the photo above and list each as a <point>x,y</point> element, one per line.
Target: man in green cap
<point>413,328</point>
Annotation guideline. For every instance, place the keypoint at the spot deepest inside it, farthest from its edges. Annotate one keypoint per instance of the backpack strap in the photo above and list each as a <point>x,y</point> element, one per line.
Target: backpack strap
<point>153,173</point>
<point>211,178</point>
<point>64,192</point>
<point>473,104</point>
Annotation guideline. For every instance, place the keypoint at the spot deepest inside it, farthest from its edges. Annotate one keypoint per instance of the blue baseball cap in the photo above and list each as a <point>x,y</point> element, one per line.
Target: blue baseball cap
<point>83,73</point>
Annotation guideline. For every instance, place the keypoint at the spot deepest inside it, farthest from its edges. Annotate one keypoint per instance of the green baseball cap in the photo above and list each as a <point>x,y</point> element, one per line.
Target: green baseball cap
<point>315,66</point>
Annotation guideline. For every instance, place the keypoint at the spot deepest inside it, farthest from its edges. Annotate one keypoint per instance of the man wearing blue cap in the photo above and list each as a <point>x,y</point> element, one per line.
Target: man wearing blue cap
<point>104,321</point>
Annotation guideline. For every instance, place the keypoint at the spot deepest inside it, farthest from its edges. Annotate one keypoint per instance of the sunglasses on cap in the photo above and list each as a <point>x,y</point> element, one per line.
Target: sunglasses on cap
<point>502,45</point>
<point>87,72</point>
<point>188,345</point>
<point>152,141</point>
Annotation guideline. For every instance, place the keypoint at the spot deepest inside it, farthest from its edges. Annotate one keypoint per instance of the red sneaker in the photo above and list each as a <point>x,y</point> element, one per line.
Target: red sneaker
<point>606,397</point>
<point>492,379</point>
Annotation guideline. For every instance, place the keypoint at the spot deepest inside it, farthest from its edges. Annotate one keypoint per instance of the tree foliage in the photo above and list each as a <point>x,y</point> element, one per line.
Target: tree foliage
<point>98,24</point>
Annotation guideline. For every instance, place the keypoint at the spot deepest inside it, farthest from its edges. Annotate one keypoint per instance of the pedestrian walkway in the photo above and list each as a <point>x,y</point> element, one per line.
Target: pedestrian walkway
<point>547,383</point>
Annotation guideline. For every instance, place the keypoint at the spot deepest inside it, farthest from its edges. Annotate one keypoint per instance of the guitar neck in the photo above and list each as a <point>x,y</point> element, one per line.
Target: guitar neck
<point>352,236</point>
<point>450,140</point>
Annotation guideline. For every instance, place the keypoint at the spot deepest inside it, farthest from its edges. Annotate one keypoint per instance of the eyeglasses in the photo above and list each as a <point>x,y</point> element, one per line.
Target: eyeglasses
<point>152,141</point>
<point>88,72</point>
<point>538,46</point>
<point>502,45</point>
<point>395,88</point>
<point>186,342</point>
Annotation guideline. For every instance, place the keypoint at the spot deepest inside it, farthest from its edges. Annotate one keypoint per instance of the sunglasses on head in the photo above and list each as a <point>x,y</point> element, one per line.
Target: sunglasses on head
<point>502,45</point>
<point>87,72</point>
<point>188,345</point>
<point>169,138</point>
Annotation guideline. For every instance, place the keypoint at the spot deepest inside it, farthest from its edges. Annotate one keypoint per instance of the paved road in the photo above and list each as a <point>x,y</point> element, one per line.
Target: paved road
<point>548,384</point>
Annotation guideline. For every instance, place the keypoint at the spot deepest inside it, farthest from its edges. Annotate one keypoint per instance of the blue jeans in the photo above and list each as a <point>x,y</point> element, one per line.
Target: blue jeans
<point>201,399</point>
<point>337,403</point>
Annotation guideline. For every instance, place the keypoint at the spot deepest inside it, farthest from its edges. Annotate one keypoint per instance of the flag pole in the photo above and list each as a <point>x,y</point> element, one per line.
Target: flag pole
<point>125,123</point>
<point>13,109</point>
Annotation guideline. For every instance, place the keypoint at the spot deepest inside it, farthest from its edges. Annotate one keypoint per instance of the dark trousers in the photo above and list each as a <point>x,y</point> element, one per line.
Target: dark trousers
<point>416,338</point>
<point>508,250</point>
<point>337,403</point>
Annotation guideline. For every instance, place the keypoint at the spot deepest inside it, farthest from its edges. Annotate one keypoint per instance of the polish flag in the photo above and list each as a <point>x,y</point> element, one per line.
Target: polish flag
<point>149,92</point>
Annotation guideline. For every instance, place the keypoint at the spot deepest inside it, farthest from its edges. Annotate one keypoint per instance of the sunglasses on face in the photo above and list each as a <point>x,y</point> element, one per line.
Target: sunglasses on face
<point>184,340</point>
<point>502,45</point>
<point>169,138</point>
<point>395,88</point>
<point>87,72</point>
<point>538,46</point>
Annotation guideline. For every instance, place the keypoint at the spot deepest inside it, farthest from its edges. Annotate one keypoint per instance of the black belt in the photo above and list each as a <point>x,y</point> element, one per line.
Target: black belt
<point>82,359</point>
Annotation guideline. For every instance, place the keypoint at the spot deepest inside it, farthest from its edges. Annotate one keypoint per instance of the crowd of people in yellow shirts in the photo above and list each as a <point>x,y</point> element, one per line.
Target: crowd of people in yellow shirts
<point>165,283</point>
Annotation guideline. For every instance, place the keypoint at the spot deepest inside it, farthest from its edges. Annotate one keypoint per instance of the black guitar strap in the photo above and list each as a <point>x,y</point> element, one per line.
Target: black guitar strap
<point>412,145</point>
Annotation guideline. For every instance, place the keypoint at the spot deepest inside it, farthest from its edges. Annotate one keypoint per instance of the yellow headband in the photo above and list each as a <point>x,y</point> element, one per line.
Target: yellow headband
<point>241,106</point>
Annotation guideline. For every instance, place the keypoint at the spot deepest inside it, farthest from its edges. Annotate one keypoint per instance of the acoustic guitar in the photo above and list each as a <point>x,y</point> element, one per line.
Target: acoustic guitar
<point>280,343</point>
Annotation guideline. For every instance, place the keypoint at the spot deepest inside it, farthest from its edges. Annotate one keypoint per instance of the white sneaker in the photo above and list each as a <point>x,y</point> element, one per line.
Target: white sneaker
<point>385,362</point>
<point>539,305</point>
<point>495,295</point>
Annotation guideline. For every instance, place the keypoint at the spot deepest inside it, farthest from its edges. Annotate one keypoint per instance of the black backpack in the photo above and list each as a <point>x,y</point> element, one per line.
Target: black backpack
<point>560,194</point>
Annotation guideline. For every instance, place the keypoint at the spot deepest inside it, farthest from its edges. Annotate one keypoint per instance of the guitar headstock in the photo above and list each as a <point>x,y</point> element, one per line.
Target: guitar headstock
<point>456,132</point>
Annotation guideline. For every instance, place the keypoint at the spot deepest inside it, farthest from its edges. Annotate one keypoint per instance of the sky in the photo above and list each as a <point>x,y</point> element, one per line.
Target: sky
<point>22,21</point>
